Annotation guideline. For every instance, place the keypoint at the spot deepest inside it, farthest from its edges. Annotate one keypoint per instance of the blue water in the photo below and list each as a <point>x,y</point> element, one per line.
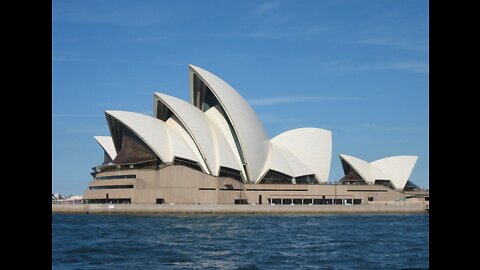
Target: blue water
<point>240,242</point>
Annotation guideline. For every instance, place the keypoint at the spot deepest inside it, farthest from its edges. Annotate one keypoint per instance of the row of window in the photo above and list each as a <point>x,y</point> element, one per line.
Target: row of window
<point>186,162</point>
<point>112,187</point>
<point>127,176</point>
<point>116,201</point>
<point>228,172</point>
<point>274,177</point>
<point>314,201</point>
<point>306,179</point>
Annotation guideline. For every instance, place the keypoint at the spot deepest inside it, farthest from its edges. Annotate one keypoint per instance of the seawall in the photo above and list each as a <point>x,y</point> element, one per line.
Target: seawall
<point>160,209</point>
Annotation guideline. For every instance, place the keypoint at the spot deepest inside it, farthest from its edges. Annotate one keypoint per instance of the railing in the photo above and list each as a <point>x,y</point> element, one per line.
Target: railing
<point>426,203</point>
<point>66,201</point>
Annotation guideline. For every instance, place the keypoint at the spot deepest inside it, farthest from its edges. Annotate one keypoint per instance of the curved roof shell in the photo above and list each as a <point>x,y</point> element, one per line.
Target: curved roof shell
<point>282,160</point>
<point>297,167</point>
<point>277,162</point>
<point>220,129</point>
<point>252,138</point>
<point>175,126</point>
<point>227,153</point>
<point>397,169</point>
<point>312,146</point>
<point>195,122</point>
<point>361,166</point>
<point>106,143</point>
<point>164,141</point>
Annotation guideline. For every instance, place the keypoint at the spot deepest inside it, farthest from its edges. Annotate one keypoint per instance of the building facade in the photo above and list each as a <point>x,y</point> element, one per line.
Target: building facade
<point>215,150</point>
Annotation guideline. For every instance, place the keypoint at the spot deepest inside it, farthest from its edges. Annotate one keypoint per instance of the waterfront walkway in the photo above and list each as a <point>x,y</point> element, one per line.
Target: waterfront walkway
<point>387,208</point>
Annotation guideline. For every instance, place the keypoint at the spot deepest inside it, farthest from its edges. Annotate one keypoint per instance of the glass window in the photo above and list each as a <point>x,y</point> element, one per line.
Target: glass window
<point>297,201</point>
<point>287,201</point>
<point>277,201</point>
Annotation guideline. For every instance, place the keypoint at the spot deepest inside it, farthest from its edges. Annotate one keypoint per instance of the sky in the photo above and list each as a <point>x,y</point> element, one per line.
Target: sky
<point>357,68</point>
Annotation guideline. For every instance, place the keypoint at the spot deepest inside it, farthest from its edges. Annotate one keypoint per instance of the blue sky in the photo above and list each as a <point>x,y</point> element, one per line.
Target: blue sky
<point>357,68</point>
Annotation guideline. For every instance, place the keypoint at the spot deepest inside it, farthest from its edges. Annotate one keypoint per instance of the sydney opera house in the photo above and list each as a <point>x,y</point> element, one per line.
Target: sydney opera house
<point>215,150</point>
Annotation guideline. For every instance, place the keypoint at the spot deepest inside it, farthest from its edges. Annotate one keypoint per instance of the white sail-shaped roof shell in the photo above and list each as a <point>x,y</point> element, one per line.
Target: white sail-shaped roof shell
<point>376,173</point>
<point>220,129</point>
<point>276,161</point>
<point>106,143</point>
<point>297,167</point>
<point>312,146</point>
<point>282,160</point>
<point>197,126</point>
<point>396,169</point>
<point>361,166</point>
<point>175,126</point>
<point>246,124</point>
<point>213,147</point>
<point>164,141</point>
<point>227,153</point>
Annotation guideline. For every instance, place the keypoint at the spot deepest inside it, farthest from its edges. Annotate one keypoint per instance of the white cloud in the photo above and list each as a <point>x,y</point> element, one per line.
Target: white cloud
<point>133,15</point>
<point>414,66</point>
<point>376,127</point>
<point>280,33</point>
<point>78,115</point>
<point>411,45</point>
<point>265,8</point>
<point>288,100</point>
<point>272,118</point>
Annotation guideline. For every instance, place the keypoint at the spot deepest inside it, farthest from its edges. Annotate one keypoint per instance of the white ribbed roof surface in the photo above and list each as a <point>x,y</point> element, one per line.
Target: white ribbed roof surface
<point>312,146</point>
<point>209,137</point>
<point>361,166</point>
<point>165,142</point>
<point>106,143</point>
<point>196,124</point>
<point>277,162</point>
<point>397,169</point>
<point>227,153</point>
<point>174,124</point>
<point>250,131</point>
<point>297,167</point>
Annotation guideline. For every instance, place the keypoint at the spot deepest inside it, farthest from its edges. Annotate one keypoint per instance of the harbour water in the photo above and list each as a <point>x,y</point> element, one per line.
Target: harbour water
<point>240,242</point>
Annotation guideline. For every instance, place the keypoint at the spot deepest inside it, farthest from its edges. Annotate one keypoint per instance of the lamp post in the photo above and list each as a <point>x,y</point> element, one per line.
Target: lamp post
<point>240,191</point>
<point>241,182</point>
<point>334,200</point>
